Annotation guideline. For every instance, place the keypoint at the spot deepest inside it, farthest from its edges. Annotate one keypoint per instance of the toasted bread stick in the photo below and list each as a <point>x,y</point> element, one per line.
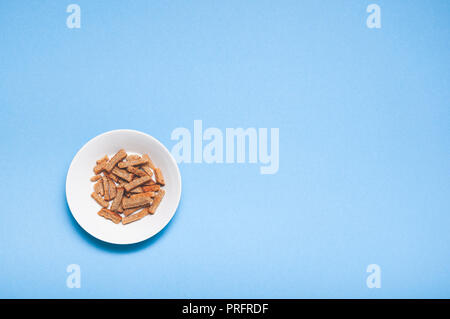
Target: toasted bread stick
<point>136,202</point>
<point>156,201</point>
<point>159,177</point>
<point>98,188</point>
<point>149,183</point>
<point>136,171</point>
<point>99,168</point>
<point>122,183</point>
<point>134,217</point>
<point>137,162</point>
<point>95,178</point>
<point>113,177</point>
<point>104,159</point>
<point>130,211</point>
<point>120,155</point>
<point>133,157</point>
<point>151,188</point>
<point>137,190</point>
<point>99,200</point>
<point>137,182</point>
<point>146,194</point>
<point>112,190</point>
<point>105,181</point>
<point>117,200</point>
<point>147,170</point>
<point>114,217</point>
<point>123,174</point>
<point>150,163</point>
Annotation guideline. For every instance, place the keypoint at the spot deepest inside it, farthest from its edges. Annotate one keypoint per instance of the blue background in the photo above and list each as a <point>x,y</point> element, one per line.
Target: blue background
<point>364,145</point>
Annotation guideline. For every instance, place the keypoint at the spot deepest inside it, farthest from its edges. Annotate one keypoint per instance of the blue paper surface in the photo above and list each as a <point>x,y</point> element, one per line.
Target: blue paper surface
<point>363,118</point>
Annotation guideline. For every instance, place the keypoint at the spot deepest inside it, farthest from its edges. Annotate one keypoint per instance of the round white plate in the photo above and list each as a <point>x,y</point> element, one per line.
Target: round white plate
<point>79,188</point>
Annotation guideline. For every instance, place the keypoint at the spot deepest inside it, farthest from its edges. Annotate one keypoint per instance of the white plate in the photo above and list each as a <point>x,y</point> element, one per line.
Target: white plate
<point>79,188</point>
